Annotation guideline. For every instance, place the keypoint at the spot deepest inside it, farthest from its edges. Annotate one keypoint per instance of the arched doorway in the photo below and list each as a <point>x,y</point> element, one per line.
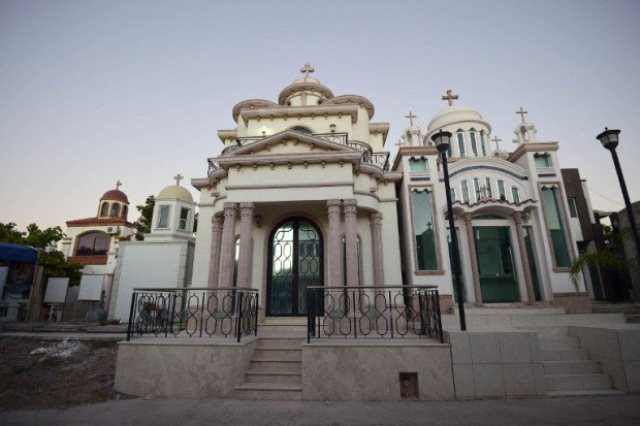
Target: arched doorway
<point>295,262</point>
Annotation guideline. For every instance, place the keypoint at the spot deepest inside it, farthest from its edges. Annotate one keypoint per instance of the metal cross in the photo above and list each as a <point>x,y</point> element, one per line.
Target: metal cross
<point>118,185</point>
<point>410,117</point>
<point>450,97</point>
<point>307,69</point>
<point>497,141</point>
<point>522,112</point>
<point>178,178</point>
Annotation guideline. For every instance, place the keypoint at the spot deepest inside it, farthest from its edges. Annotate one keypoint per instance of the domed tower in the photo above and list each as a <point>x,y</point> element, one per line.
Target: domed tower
<point>114,204</point>
<point>470,131</point>
<point>173,213</point>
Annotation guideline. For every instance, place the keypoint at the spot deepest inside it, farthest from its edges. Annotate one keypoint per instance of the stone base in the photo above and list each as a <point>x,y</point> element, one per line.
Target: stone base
<point>573,303</point>
<point>446,304</point>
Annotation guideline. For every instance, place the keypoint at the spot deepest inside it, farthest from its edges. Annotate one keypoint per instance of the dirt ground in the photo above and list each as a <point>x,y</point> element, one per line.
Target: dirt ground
<point>62,374</point>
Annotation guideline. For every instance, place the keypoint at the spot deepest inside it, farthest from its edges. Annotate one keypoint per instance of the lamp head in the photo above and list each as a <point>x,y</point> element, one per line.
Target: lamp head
<point>609,138</point>
<point>442,139</point>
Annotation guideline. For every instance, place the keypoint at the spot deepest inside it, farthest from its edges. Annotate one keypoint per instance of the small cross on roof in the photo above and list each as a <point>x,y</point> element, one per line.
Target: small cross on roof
<point>497,141</point>
<point>307,69</point>
<point>411,116</point>
<point>178,178</point>
<point>118,185</point>
<point>449,97</point>
<point>522,112</point>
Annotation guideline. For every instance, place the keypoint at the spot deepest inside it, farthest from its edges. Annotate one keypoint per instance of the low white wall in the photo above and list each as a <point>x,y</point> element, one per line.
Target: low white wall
<point>617,348</point>
<point>495,364</point>
<point>182,368</point>
<point>347,370</point>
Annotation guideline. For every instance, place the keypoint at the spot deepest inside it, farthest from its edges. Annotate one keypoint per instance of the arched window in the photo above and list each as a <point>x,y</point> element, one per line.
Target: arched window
<point>302,129</point>
<point>461,147</point>
<point>94,243</point>
<point>124,212</point>
<point>115,210</point>
<point>104,209</point>
<point>474,142</point>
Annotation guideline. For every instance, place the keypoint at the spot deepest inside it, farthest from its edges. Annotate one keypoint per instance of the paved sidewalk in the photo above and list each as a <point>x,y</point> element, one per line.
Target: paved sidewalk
<point>610,410</point>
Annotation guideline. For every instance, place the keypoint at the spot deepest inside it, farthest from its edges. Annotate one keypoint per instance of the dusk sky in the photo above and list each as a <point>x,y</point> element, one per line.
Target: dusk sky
<point>96,91</point>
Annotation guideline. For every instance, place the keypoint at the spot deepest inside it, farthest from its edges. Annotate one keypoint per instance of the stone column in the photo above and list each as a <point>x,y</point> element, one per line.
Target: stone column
<point>376,246</point>
<point>531,295</point>
<point>335,244</point>
<point>216,238</point>
<point>246,245</point>
<point>227,247</point>
<point>351,237</point>
<point>477,291</point>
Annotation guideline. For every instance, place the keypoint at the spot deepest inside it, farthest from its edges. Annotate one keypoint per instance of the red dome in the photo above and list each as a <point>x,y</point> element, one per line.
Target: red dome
<point>115,195</point>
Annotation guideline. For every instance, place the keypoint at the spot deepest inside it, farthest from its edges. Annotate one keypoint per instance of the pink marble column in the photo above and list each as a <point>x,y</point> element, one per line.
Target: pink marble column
<point>351,237</point>
<point>246,245</point>
<point>477,291</point>
<point>335,243</point>
<point>375,220</point>
<point>227,247</point>
<point>214,262</point>
<point>531,295</point>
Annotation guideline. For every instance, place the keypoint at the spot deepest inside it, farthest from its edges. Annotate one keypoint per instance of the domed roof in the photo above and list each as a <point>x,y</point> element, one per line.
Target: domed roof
<point>306,83</point>
<point>115,195</point>
<point>452,115</point>
<point>176,192</point>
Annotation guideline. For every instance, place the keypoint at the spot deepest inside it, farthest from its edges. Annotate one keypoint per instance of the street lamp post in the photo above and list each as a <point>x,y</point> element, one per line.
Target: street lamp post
<point>609,139</point>
<point>443,140</point>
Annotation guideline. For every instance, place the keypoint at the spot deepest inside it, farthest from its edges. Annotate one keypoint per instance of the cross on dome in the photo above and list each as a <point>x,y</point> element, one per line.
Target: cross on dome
<point>118,185</point>
<point>450,97</point>
<point>411,116</point>
<point>307,69</point>
<point>178,178</point>
<point>522,112</point>
<point>497,141</point>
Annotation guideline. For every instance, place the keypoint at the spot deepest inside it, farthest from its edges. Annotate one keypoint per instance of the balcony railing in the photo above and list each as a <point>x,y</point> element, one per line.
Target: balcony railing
<point>373,312</point>
<point>193,312</point>
<point>379,159</point>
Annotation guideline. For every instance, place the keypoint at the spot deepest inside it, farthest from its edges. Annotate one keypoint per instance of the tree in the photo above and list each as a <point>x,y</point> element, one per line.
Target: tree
<point>143,224</point>
<point>9,233</point>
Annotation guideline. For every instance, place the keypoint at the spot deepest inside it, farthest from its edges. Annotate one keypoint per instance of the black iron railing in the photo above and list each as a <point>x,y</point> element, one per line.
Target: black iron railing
<point>373,312</point>
<point>193,312</point>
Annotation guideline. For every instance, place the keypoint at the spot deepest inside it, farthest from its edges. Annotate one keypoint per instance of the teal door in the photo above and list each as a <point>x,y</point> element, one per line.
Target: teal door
<point>495,264</point>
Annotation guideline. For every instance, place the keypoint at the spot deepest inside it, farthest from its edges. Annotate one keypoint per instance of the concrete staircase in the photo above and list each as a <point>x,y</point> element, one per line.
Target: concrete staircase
<point>568,369</point>
<point>275,371</point>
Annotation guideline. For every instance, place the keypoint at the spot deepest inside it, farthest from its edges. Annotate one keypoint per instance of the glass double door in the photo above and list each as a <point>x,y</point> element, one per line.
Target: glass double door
<point>295,262</point>
<point>495,264</point>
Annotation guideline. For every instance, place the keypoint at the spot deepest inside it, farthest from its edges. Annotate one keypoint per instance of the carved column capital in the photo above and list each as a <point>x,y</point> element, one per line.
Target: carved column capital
<point>350,207</point>
<point>333,207</point>
<point>468,217</point>
<point>216,221</point>
<point>376,219</point>
<point>517,218</point>
<point>230,209</point>
<point>246,210</point>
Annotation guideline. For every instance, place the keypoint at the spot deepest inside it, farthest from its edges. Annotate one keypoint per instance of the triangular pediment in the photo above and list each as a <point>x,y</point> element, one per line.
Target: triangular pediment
<point>290,142</point>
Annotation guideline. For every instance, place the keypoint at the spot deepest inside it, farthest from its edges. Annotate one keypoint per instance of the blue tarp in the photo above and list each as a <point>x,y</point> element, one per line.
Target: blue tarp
<point>18,253</point>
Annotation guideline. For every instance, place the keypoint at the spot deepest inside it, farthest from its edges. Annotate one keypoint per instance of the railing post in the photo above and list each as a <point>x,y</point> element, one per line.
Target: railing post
<point>391,321</point>
<point>355,318</point>
<point>309,314</point>
<point>239,314</point>
<point>255,325</point>
<point>421,304</point>
<point>439,318</point>
<point>173,298</point>
<point>133,304</point>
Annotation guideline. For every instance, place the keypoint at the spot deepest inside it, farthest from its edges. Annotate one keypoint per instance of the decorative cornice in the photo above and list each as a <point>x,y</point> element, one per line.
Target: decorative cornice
<point>301,111</point>
<point>302,86</point>
<point>413,150</point>
<point>98,221</point>
<point>488,163</point>
<point>532,147</point>
<point>353,100</point>
<point>286,136</point>
<point>225,134</point>
<point>383,128</point>
<point>250,103</point>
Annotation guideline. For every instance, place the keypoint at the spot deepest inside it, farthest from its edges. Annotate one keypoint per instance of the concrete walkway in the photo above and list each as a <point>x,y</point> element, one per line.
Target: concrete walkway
<point>610,410</point>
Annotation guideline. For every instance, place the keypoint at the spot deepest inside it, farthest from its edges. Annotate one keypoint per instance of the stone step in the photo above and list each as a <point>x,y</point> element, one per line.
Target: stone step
<point>564,355</point>
<point>271,391</point>
<point>284,320</point>
<point>559,343</point>
<point>559,394</point>
<point>527,319</point>
<point>513,309</point>
<point>284,342</point>
<point>273,377</point>
<point>280,328</point>
<point>570,382</point>
<point>571,367</point>
<point>287,365</point>
<point>262,353</point>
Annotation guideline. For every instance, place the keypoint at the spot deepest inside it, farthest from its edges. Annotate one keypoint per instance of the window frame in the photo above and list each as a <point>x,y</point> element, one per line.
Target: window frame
<point>439,269</point>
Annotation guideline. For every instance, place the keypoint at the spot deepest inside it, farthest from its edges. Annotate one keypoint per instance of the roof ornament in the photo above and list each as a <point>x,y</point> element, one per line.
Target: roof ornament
<point>118,185</point>
<point>522,112</point>
<point>450,97</point>
<point>411,116</point>
<point>307,69</point>
<point>178,178</point>
<point>497,142</point>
